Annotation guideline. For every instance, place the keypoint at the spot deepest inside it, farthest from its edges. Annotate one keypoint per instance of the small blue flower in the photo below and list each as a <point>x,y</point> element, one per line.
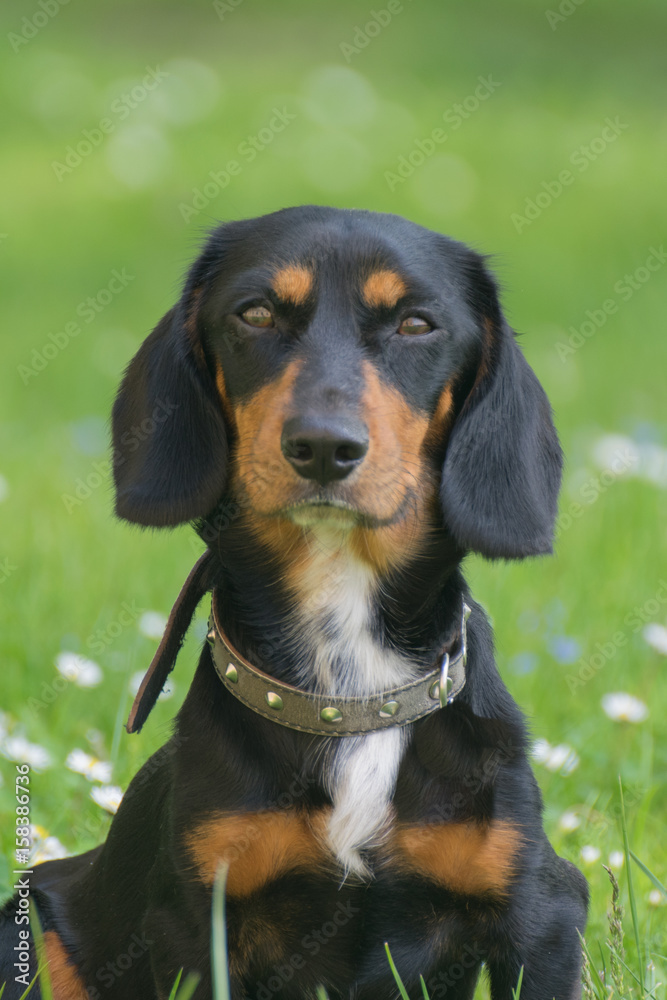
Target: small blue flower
<point>564,648</point>
<point>523,663</point>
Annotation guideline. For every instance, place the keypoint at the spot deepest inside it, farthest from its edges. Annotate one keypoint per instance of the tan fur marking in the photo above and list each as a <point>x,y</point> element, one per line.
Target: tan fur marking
<point>222,392</point>
<point>65,980</point>
<point>466,857</point>
<point>383,288</point>
<point>257,846</point>
<point>438,430</point>
<point>293,283</point>
<point>266,479</point>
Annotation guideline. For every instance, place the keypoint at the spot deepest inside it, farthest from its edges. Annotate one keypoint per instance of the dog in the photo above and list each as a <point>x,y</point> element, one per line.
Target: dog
<point>339,406</point>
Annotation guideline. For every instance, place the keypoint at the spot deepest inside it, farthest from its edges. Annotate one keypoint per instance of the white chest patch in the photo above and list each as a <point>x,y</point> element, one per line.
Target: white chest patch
<point>343,655</point>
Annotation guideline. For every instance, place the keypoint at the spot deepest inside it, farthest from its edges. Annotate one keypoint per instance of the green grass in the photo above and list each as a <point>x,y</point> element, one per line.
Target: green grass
<point>66,570</point>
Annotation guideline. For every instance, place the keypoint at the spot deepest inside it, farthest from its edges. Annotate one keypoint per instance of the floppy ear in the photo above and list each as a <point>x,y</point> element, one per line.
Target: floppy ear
<point>169,439</point>
<point>503,463</point>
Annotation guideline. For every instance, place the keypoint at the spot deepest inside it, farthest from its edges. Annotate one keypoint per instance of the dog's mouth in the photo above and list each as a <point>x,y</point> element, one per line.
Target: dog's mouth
<point>329,512</point>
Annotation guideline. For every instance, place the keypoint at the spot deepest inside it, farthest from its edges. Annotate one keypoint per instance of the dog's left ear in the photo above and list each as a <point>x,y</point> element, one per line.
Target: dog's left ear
<point>503,463</point>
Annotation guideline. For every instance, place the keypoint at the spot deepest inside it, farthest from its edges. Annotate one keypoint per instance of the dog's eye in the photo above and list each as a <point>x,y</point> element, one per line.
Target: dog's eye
<point>414,325</point>
<point>257,316</point>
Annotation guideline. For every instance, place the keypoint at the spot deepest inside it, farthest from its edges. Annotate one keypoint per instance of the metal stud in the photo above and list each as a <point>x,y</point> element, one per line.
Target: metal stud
<point>274,701</point>
<point>210,637</point>
<point>389,709</point>
<point>331,714</point>
<point>231,673</point>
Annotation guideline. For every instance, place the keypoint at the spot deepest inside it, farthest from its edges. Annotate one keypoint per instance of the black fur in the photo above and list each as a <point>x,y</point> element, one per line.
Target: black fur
<point>499,475</point>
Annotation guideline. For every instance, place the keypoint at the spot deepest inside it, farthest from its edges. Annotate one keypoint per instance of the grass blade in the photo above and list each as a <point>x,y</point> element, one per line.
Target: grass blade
<point>649,874</point>
<point>321,993</point>
<point>424,990</point>
<point>42,963</point>
<point>595,976</point>
<point>516,993</point>
<point>399,982</point>
<point>221,988</point>
<point>631,891</point>
<point>190,984</point>
<point>174,989</point>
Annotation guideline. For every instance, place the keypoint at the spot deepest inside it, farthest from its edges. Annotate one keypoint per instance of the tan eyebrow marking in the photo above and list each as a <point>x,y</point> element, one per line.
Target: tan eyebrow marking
<point>383,288</point>
<point>293,283</point>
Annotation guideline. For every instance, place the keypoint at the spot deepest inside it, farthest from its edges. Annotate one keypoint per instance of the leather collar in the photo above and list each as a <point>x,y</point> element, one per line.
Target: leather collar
<point>322,715</point>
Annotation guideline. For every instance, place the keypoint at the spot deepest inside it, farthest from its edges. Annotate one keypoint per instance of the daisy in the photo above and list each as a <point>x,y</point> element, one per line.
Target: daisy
<point>82,763</point>
<point>21,750</point>
<point>108,797</point>
<point>590,854</point>
<point>616,859</point>
<point>49,849</point>
<point>152,624</point>
<point>569,821</point>
<point>73,667</point>
<point>624,707</point>
<point>656,636</point>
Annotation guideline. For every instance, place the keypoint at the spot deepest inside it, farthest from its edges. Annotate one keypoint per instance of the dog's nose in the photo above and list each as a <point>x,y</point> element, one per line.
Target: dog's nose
<point>324,448</point>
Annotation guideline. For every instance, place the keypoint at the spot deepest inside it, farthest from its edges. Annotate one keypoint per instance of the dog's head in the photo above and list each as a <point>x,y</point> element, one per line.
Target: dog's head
<point>343,368</point>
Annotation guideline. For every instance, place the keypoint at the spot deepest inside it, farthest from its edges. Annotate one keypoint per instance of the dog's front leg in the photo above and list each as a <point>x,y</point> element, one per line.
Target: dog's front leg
<point>541,925</point>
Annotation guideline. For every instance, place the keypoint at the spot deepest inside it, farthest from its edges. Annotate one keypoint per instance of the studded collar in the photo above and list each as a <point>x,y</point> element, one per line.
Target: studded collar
<point>322,715</point>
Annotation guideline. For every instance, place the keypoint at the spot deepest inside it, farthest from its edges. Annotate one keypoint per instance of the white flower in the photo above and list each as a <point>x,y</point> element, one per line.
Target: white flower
<point>84,673</point>
<point>82,763</point>
<point>616,859</point>
<point>624,707</point>
<point>561,758</point>
<point>569,821</point>
<point>656,898</point>
<point>152,624</point>
<point>107,796</point>
<point>50,849</point>
<point>541,751</point>
<point>19,749</point>
<point>616,453</point>
<point>135,683</point>
<point>590,854</point>
<point>656,636</point>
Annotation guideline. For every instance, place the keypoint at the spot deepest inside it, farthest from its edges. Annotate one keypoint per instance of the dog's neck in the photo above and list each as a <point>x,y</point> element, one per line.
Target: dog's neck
<point>330,622</point>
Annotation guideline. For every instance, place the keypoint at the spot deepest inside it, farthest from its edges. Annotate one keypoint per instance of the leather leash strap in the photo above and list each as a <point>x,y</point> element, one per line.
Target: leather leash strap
<point>197,584</point>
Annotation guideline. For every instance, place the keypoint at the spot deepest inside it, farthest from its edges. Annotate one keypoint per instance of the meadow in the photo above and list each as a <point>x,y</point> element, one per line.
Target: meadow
<point>538,136</point>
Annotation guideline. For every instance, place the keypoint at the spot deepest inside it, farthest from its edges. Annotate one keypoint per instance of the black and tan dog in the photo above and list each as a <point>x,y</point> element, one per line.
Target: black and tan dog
<point>339,406</point>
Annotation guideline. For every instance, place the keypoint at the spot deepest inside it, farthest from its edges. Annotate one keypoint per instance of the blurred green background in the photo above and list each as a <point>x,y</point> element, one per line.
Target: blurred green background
<point>115,119</point>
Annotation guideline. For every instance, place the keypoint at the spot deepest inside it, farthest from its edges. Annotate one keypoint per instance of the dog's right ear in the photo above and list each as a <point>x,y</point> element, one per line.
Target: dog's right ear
<point>169,438</point>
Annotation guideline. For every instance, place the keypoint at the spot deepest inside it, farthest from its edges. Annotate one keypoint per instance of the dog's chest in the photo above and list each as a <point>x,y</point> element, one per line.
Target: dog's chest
<point>340,649</point>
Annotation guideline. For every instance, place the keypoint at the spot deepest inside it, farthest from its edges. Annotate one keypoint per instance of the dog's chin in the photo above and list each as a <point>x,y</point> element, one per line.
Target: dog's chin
<point>325,514</point>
